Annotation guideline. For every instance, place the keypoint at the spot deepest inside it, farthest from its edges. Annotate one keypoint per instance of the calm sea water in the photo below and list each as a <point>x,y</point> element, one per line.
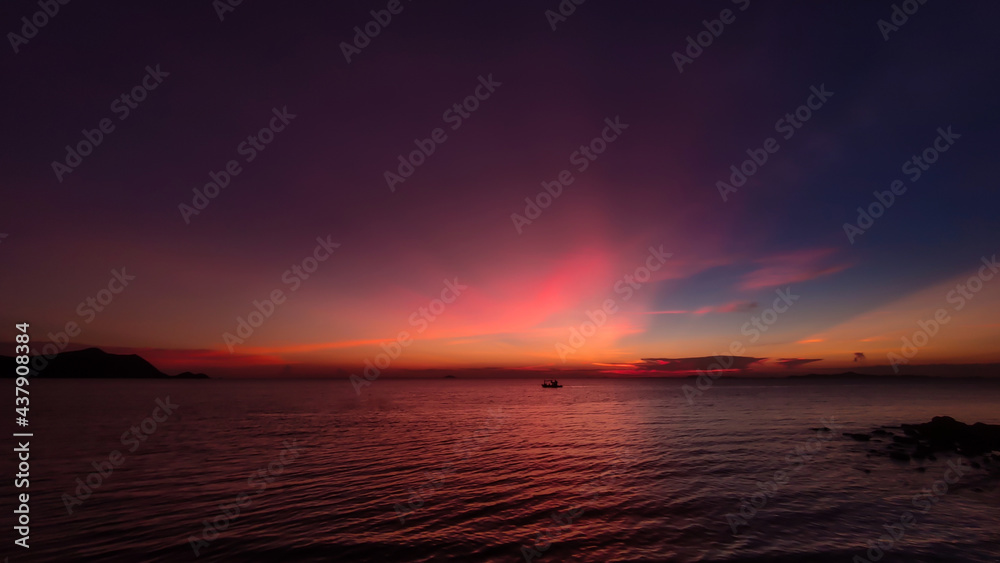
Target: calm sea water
<point>495,470</point>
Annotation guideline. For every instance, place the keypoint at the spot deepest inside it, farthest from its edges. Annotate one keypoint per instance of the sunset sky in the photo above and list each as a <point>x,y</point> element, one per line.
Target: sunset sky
<point>339,126</point>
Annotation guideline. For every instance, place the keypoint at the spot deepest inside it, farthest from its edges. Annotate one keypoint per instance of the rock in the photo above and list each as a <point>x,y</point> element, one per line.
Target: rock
<point>190,375</point>
<point>944,433</point>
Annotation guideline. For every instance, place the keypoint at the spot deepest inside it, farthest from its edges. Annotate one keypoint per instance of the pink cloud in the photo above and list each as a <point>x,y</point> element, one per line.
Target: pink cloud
<point>790,363</point>
<point>733,307</point>
<point>674,312</point>
<point>795,267</point>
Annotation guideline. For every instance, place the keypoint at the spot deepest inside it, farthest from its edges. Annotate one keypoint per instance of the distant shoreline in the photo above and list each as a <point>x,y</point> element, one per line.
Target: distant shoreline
<point>94,363</point>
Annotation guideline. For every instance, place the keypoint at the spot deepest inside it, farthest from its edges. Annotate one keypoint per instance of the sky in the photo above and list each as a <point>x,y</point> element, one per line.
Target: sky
<point>379,193</point>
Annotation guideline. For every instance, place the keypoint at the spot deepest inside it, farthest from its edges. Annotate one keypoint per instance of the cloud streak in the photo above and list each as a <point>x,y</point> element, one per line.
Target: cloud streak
<point>792,363</point>
<point>691,366</point>
<point>792,268</point>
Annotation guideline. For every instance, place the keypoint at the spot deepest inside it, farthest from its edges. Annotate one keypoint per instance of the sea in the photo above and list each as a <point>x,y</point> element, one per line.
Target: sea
<point>470,469</point>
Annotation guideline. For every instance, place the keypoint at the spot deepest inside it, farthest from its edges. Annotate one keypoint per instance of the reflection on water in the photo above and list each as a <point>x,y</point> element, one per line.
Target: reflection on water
<point>437,470</point>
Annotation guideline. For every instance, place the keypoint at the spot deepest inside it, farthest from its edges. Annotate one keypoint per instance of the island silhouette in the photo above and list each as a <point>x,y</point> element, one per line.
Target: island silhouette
<point>94,363</point>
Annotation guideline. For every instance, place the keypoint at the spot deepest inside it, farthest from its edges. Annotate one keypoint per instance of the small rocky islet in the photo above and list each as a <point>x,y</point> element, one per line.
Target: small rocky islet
<point>942,435</point>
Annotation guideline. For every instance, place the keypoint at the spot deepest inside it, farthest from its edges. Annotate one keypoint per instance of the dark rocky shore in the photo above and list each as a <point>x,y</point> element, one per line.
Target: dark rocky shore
<point>942,435</point>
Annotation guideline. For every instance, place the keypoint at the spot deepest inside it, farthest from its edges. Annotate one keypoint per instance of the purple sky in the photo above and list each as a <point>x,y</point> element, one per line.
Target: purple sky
<point>545,101</point>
